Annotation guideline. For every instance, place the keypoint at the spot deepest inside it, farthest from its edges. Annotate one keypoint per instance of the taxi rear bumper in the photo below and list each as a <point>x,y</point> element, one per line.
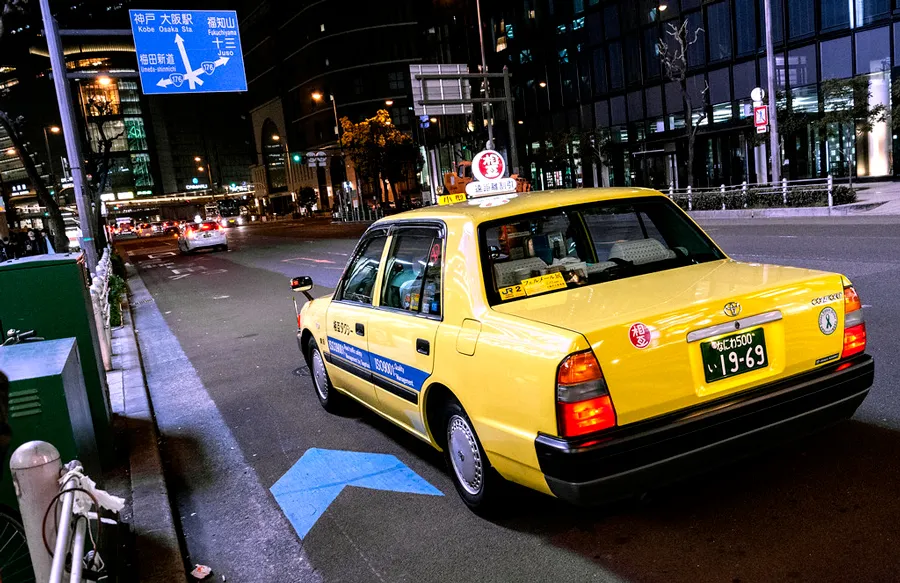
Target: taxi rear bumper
<point>656,451</point>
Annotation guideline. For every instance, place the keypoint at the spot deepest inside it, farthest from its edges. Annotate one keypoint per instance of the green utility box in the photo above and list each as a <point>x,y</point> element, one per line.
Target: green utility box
<point>50,295</point>
<point>48,402</point>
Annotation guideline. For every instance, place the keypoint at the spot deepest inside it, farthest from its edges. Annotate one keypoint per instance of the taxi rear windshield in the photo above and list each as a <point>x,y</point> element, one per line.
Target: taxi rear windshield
<point>574,246</point>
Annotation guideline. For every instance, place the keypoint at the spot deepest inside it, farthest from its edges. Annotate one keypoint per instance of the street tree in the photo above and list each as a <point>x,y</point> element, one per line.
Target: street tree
<point>673,54</point>
<point>99,162</point>
<point>13,126</point>
<point>379,151</point>
<point>848,103</point>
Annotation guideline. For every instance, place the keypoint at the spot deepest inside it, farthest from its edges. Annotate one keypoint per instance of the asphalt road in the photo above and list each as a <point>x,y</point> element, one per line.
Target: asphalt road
<point>237,410</point>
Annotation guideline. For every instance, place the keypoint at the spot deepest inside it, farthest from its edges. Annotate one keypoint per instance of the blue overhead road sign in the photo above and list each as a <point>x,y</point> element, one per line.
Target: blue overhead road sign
<point>196,51</point>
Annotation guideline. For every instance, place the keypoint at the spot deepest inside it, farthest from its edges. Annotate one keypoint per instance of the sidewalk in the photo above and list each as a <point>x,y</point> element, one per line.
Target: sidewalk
<point>157,552</point>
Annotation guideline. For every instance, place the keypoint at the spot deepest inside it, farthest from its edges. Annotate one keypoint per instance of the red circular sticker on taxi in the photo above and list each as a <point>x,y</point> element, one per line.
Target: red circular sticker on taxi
<point>488,165</point>
<point>639,334</point>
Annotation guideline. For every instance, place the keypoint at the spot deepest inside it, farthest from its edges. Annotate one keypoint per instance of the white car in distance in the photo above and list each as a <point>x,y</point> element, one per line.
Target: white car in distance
<point>205,234</point>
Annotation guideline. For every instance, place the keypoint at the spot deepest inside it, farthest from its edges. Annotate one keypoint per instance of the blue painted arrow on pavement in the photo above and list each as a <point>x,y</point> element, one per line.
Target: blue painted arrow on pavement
<point>313,483</point>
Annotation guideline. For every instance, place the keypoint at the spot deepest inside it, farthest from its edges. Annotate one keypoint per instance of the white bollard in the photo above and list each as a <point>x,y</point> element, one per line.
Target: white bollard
<point>672,190</point>
<point>744,192</point>
<point>722,190</point>
<point>784,190</point>
<point>690,201</point>
<point>35,470</point>
<point>830,187</point>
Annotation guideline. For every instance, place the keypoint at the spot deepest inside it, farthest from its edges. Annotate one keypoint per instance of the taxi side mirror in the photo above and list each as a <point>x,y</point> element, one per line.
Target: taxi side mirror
<point>304,283</point>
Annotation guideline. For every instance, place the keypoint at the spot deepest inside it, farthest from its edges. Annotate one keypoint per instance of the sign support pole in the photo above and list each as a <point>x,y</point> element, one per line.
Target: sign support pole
<point>484,80</point>
<point>773,106</point>
<point>511,124</point>
<point>70,133</point>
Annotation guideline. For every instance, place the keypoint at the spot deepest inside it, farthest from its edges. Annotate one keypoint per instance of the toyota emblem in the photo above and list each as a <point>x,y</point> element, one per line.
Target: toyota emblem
<point>732,309</point>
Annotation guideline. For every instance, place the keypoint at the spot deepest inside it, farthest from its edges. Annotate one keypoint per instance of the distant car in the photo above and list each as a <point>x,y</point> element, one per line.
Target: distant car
<point>157,228</point>
<point>232,221</point>
<point>144,230</point>
<point>206,234</point>
<point>171,227</point>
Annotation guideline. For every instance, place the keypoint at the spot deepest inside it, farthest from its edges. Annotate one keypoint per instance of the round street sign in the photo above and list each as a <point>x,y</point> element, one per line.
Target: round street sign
<point>758,94</point>
<point>488,165</point>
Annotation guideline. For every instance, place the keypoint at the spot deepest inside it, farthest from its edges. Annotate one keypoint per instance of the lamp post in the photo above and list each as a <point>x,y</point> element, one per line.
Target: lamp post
<point>206,167</point>
<point>317,97</point>
<point>53,130</point>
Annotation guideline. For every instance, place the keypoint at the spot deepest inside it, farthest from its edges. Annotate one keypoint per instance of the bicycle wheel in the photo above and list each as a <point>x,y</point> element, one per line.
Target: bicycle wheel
<point>15,562</point>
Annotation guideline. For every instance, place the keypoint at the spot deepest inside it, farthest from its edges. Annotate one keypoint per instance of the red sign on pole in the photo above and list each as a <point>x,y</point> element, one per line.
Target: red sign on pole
<point>761,118</point>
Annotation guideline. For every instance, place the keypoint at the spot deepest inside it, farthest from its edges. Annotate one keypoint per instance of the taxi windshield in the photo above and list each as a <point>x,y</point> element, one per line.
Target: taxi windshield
<point>568,247</point>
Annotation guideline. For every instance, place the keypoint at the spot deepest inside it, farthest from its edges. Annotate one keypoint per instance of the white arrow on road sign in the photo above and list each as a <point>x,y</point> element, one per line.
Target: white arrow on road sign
<point>221,62</point>
<point>190,73</point>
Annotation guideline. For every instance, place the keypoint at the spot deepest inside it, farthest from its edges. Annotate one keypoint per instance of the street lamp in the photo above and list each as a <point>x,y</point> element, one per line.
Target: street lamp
<point>389,102</point>
<point>276,137</point>
<point>199,168</point>
<point>542,84</point>
<point>197,158</point>
<point>53,130</point>
<point>104,80</point>
<point>316,96</point>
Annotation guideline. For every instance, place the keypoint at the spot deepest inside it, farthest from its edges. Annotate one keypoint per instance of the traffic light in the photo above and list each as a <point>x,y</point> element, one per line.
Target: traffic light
<point>296,157</point>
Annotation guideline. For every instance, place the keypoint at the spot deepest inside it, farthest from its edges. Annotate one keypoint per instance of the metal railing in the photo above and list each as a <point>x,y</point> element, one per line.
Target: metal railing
<point>100,301</point>
<point>795,193</point>
<point>348,214</point>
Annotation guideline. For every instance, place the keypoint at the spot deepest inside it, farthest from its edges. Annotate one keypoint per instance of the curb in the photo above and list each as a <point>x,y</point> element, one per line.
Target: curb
<point>814,211</point>
<point>158,553</point>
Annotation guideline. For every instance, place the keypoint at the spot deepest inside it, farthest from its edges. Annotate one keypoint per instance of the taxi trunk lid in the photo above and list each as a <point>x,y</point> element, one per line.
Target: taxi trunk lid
<point>639,329</point>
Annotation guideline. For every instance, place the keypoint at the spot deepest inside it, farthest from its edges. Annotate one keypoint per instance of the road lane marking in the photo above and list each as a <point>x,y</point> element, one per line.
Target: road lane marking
<point>221,297</point>
<point>306,490</point>
<point>174,277</point>
<point>308,259</point>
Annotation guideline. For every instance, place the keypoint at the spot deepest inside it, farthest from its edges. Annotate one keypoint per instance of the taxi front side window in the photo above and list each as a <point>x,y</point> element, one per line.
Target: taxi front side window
<point>412,277</point>
<point>360,279</point>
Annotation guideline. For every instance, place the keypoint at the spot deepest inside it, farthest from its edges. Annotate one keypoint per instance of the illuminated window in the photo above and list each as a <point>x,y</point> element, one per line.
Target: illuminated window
<point>525,56</point>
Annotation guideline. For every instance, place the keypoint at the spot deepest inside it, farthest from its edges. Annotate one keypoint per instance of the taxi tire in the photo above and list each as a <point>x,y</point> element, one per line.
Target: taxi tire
<point>487,500</point>
<point>333,402</point>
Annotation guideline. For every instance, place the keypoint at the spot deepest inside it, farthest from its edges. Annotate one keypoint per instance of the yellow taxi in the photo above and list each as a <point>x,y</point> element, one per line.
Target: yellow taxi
<point>585,343</point>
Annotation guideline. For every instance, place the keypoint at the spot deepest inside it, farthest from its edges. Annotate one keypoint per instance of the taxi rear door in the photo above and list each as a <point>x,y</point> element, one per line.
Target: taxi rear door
<point>347,321</point>
<point>404,323</point>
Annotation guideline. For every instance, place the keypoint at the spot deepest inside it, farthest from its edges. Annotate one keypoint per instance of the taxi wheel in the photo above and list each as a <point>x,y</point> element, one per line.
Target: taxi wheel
<point>329,398</point>
<point>477,483</point>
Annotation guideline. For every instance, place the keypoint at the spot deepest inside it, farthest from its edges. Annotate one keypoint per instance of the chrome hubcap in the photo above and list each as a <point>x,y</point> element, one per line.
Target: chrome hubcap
<point>320,379</point>
<point>464,455</point>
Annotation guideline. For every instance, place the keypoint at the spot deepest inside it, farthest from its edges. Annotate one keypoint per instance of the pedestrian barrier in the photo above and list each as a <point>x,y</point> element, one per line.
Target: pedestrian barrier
<point>100,301</point>
<point>787,193</point>
<point>349,214</point>
<point>73,501</point>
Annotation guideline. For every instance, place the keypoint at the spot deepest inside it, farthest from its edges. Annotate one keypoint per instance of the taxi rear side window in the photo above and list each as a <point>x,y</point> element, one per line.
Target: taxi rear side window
<point>412,273</point>
<point>567,247</point>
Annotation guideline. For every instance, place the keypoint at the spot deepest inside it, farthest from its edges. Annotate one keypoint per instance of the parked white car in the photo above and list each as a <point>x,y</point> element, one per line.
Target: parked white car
<point>206,234</point>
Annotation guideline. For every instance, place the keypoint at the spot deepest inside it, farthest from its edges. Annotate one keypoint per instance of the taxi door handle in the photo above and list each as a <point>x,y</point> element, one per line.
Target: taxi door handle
<point>423,346</point>
<point>360,330</point>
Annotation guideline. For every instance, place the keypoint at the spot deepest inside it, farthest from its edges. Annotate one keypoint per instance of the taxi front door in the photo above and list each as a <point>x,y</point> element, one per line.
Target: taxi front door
<point>403,326</point>
<point>347,322</point>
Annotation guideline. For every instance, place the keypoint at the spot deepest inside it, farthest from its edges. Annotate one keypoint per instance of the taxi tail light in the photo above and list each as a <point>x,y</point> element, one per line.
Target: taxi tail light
<point>854,324</point>
<point>583,404</point>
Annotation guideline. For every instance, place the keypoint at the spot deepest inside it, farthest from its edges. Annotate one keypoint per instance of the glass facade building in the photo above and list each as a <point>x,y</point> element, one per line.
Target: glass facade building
<point>596,106</point>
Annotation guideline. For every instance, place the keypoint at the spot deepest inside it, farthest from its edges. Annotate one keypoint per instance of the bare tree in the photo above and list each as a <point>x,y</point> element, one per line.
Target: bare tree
<point>13,128</point>
<point>99,161</point>
<point>673,54</point>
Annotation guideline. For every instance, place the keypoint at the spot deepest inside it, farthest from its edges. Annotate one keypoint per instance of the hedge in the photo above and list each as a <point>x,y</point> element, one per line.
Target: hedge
<point>758,199</point>
<point>116,291</point>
